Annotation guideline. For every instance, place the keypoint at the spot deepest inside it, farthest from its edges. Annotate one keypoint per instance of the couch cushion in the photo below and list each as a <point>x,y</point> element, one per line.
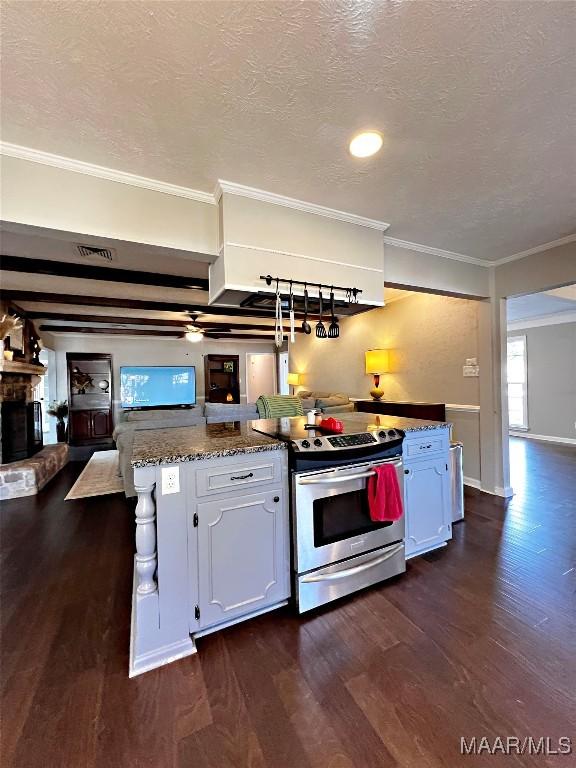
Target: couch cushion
<point>349,407</point>
<point>331,401</point>
<point>308,403</point>
<point>160,414</point>
<point>219,412</point>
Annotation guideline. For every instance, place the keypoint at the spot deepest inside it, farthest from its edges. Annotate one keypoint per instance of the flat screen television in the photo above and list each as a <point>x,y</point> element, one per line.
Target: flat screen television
<point>155,386</point>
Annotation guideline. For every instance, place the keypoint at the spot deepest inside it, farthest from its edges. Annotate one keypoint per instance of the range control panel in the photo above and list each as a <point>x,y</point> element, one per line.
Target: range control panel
<point>347,442</point>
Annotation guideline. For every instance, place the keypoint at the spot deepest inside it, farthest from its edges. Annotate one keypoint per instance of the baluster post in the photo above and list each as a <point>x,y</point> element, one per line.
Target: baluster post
<point>146,556</point>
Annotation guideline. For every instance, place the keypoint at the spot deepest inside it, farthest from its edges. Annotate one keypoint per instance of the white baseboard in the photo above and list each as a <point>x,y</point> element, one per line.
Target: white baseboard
<point>544,438</point>
<point>506,493</point>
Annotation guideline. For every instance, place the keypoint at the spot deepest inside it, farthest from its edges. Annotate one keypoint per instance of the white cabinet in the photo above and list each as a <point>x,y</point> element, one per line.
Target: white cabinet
<point>242,555</point>
<point>427,496</point>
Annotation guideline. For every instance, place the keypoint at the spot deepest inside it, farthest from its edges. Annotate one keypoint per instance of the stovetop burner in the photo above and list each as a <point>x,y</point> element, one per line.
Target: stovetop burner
<point>361,435</point>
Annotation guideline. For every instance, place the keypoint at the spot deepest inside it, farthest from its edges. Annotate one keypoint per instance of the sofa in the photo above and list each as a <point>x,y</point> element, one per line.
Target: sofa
<point>327,402</point>
<point>133,421</point>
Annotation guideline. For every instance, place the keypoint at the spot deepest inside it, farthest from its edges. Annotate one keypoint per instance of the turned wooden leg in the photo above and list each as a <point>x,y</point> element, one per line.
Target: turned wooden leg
<point>146,558</point>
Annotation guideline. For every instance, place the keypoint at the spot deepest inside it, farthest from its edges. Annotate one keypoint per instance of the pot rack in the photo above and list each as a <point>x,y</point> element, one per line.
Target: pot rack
<point>351,293</point>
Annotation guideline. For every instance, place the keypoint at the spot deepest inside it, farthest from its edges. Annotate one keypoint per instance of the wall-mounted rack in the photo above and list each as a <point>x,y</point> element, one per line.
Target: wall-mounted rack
<point>351,293</point>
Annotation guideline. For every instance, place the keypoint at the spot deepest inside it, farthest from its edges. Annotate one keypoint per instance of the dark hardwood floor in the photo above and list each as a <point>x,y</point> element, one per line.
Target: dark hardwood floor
<point>478,639</point>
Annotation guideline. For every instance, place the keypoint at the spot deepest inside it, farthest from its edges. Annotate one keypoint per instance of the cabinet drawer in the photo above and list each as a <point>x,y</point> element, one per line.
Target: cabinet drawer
<point>241,475</point>
<point>424,447</point>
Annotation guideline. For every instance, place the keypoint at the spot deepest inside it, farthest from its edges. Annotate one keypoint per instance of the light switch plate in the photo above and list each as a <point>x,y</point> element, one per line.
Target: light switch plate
<point>470,370</point>
<point>170,480</point>
<point>471,361</point>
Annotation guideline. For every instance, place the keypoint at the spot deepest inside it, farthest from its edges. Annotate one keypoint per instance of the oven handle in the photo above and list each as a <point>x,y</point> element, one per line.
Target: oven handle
<point>352,571</point>
<point>328,480</point>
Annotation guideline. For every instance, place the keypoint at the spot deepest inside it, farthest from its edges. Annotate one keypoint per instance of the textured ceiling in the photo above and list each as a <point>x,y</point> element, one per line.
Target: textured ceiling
<point>476,101</point>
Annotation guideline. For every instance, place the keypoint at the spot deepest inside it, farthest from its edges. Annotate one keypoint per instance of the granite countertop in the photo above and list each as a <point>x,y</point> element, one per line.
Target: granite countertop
<point>205,441</point>
<point>371,421</point>
<point>295,428</point>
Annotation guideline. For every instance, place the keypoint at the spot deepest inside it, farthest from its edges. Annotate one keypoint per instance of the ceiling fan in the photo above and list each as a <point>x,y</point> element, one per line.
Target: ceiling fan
<point>195,330</point>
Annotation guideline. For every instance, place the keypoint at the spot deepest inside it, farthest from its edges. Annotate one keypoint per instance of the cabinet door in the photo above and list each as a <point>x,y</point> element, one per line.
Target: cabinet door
<point>243,562</point>
<point>101,423</point>
<point>427,504</point>
<point>80,426</point>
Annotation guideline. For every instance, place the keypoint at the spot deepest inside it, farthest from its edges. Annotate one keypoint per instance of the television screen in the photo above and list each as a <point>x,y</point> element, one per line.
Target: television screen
<point>155,386</point>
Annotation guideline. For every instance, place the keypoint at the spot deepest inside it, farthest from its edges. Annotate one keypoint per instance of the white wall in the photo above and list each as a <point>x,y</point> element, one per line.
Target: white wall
<point>532,274</point>
<point>261,237</point>
<point>429,272</point>
<point>43,196</point>
<point>148,351</point>
<point>551,368</point>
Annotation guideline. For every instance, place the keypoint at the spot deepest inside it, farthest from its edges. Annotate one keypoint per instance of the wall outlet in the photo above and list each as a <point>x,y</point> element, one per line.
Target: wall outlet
<point>471,361</point>
<point>470,370</point>
<point>170,480</point>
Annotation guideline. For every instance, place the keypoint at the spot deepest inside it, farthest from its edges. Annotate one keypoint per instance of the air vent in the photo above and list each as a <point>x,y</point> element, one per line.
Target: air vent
<point>92,252</point>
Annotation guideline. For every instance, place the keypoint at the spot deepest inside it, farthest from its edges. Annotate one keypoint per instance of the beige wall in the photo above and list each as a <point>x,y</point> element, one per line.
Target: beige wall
<point>430,338</point>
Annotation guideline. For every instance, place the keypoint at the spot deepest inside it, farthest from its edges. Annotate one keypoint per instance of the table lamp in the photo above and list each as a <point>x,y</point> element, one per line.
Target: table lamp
<point>293,380</point>
<point>376,364</point>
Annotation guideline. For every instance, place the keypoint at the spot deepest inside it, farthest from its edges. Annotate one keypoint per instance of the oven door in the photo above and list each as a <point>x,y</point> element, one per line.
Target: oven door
<point>331,517</point>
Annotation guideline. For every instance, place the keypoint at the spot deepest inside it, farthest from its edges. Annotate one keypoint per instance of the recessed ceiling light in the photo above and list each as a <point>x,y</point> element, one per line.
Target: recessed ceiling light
<point>366,143</point>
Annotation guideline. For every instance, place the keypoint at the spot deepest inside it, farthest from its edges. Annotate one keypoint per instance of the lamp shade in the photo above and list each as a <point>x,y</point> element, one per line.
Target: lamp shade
<point>293,379</point>
<point>377,361</point>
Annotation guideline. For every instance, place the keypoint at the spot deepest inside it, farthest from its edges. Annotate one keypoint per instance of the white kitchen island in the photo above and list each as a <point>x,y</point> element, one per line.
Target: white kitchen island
<point>213,527</point>
<point>212,535</point>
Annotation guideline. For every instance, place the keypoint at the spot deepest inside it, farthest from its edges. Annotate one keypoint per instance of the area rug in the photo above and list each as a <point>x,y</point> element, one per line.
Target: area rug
<point>99,477</point>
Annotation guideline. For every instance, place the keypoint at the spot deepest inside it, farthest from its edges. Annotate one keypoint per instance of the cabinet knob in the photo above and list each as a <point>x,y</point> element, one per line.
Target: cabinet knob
<point>276,499</point>
<point>406,471</point>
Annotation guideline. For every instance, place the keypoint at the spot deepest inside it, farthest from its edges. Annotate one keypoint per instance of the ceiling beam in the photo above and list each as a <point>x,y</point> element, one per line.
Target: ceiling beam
<point>110,319</point>
<point>111,331</point>
<point>93,272</point>
<point>123,320</point>
<point>148,304</point>
<point>241,336</point>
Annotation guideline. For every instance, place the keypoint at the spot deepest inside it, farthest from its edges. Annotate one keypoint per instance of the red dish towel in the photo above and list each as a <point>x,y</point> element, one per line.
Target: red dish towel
<point>384,499</point>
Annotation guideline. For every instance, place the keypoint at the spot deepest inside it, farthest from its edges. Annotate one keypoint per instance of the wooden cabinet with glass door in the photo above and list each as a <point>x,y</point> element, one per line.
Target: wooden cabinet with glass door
<point>90,398</point>
<point>222,378</point>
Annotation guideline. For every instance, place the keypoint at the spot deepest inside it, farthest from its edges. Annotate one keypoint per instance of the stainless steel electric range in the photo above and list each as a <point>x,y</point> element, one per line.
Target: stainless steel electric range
<point>337,548</point>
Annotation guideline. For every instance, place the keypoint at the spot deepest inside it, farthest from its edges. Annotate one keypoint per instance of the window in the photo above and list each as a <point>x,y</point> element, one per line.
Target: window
<point>517,384</point>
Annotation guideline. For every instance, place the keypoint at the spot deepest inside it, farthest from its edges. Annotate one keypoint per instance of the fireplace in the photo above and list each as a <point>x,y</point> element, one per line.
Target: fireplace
<point>21,415</point>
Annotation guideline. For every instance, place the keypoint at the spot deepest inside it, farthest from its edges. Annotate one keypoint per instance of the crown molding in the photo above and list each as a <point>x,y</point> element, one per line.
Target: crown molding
<point>100,172</point>
<point>536,249</point>
<point>299,205</point>
<point>555,318</point>
<point>435,251</point>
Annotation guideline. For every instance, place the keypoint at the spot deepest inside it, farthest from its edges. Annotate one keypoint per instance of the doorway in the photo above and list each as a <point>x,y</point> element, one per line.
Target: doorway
<point>541,365</point>
<point>260,375</point>
<point>45,393</point>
